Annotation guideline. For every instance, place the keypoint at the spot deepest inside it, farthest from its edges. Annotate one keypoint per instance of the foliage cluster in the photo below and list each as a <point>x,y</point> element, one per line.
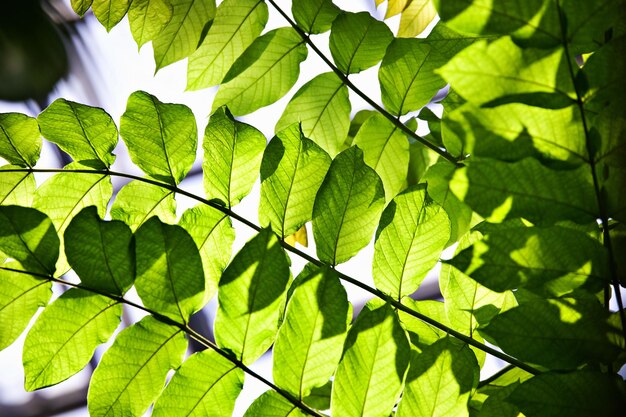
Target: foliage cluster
<point>525,170</point>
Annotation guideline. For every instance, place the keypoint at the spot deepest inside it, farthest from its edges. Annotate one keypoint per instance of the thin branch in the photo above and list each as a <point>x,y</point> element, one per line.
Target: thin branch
<point>498,354</point>
<point>344,78</point>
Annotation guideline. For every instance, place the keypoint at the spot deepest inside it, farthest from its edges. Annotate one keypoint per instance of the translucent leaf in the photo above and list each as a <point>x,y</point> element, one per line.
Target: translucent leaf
<point>394,7</point>
<point>323,108</point>
<point>292,171</point>
<point>110,12</point>
<point>21,295</point>
<point>138,201</point>
<point>213,233</point>
<point>232,157</point>
<point>170,278</point>
<point>161,137</point>
<point>207,384</point>
<point>347,207</point>
<point>147,18</point>
<point>251,296</point>
<point>84,132</point>
<point>358,41</point>
<point>264,73</point>
<point>236,25</point>
<point>439,381</point>
<point>407,78</point>
<point>412,233</point>
<point>610,160</point>
<point>101,252</point>
<point>81,6</point>
<point>314,16</point>
<point>181,35</point>
<point>131,374</point>
<point>272,404</point>
<point>370,376</point>
<point>29,237</point>
<point>20,140</point>
<point>310,340</point>
<point>16,188</point>
<point>386,150</point>
<point>65,336</point>
<point>416,18</point>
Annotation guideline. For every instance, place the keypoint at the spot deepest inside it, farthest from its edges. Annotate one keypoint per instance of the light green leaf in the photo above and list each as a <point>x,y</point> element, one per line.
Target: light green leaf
<point>323,108</point>
<point>347,208</point>
<point>314,16</point>
<point>180,37</point>
<point>558,333</point>
<point>310,340</point>
<point>439,381</point>
<point>110,12</point>
<point>251,296</point>
<point>370,376</point>
<point>264,73</point>
<point>213,233</point>
<point>161,137</point>
<point>407,78</point>
<point>29,237</point>
<point>84,132</point>
<point>20,140</point>
<point>358,41</point>
<point>232,157</point>
<point>292,171</point>
<point>272,404</point>
<point>131,374</point>
<point>416,18</point>
<point>500,190</point>
<point>170,278</point>
<point>65,336</point>
<point>21,295</point>
<point>100,252</point>
<point>412,233</point>
<point>422,334</point>
<point>575,394</point>
<point>137,201</point>
<point>207,385</point>
<point>16,188</point>
<point>236,25</point>
<point>147,18</point>
<point>394,7</point>
<point>386,150</point>
<point>81,6</point>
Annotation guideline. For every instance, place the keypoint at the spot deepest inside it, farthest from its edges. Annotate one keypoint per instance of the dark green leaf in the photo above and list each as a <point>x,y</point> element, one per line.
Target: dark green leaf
<point>20,140</point>
<point>314,16</point>
<point>138,201</point>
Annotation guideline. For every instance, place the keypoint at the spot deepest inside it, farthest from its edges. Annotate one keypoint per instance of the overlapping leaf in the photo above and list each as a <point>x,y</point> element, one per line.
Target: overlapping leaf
<point>16,188</point>
<point>416,17</point>
<point>147,18</point>
<point>20,140</point>
<point>272,404</point>
<point>314,16</point>
<point>138,201</point>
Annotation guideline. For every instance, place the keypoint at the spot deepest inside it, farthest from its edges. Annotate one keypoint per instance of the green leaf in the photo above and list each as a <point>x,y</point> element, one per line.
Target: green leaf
<point>20,140</point>
<point>170,278</point>
<point>386,150</point>
<point>264,73</point>
<point>29,237</point>
<point>147,18</point>
<point>236,25</point>
<point>500,190</point>
<point>323,108</point>
<point>65,336</point>
<point>553,260</point>
<point>206,384</point>
<point>272,404</point>
<point>610,160</point>
<point>416,18</point>
<point>21,295</point>
<point>422,334</point>
<point>251,296</point>
<point>310,340</point>
<point>314,16</point>
<point>370,376</point>
<point>84,132</point>
<point>292,171</point>
<point>138,201</point>
<point>161,137</point>
<point>407,78</point>
<point>16,188</point>
<point>232,157</point>
<point>213,233</point>
<point>131,374</point>
<point>358,41</point>
<point>180,37</point>
<point>561,333</point>
<point>439,381</point>
<point>110,12</point>
<point>575,394</point>
<point>101,252</point>
<point>81,6</point>
<point>412,233</point>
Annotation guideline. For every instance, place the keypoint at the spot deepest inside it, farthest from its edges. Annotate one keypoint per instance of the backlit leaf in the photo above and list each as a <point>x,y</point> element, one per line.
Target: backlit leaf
<point>81,6</point>
<point>314,16</point>
<point>20,140</point>
<point>110,12</point>
<point>416,18</point>
<point>138,201</point>
<point>147,18</point>
<point>272,404</point>
<point>16,188</point>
